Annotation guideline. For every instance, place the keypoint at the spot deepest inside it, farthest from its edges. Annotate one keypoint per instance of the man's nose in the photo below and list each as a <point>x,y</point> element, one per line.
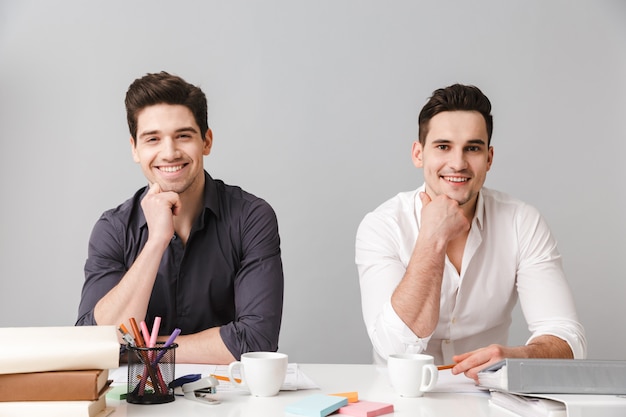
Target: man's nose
<point>458,160</point>
<point>170,149</point>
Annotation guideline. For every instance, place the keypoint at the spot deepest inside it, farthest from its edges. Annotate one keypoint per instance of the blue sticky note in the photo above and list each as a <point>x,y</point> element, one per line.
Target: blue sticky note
<point>317,405</point>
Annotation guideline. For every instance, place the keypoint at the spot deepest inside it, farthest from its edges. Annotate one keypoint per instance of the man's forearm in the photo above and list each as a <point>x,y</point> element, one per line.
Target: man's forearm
<point>206,346</point>
<point>416,299</point>
<point>548,346</point>
<point>130,297</point>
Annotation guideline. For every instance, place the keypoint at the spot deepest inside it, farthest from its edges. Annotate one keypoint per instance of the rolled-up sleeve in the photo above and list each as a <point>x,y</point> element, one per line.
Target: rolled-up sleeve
<point>258,286</point>
<point>545,296</point>
<point>103,268</point>
<point>378,259</point>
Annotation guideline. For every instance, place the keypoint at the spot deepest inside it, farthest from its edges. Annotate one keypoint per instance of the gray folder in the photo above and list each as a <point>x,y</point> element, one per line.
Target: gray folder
<point>556,376</point>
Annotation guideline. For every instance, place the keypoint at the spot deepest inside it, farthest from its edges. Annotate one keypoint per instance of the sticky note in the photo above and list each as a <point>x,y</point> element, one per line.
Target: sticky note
<point>316,405</point>
<point>366,409</point>
<point>351,396</point>
<point>118,392</point>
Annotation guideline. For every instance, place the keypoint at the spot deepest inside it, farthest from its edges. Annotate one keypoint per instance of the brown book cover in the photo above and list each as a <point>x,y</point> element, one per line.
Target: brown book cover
<point>83,385</point>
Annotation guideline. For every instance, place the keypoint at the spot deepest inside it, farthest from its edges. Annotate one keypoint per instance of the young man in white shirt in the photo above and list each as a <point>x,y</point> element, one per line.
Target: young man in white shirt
<point>442,267</point>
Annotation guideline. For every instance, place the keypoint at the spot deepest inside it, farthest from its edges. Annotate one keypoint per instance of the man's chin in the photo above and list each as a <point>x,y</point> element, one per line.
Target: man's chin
<point>461,199</point>
<point>167,187</point>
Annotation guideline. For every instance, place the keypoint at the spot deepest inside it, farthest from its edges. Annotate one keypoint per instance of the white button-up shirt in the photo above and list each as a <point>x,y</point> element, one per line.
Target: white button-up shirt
<point>509,253</point>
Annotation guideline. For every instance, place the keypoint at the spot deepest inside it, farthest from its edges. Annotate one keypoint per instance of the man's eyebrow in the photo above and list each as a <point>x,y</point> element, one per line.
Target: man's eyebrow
<point>470,142</point>
<point>477,141</point>
<point>179,130</point>
<point>186,129</point>
<point>148,133</point>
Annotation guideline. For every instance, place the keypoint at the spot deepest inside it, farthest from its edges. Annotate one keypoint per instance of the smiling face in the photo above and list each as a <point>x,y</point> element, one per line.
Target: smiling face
<point>170,149</point>
<point>455,157</point>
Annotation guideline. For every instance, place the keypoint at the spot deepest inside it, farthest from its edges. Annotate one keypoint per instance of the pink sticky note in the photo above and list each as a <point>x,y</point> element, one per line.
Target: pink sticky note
<point>366,409</point>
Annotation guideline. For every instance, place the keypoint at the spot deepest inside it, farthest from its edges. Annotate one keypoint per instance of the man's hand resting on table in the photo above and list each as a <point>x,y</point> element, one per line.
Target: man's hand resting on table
<point>546,346</point>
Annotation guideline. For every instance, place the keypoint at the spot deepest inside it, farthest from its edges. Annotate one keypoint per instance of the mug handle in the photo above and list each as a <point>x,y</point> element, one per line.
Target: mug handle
<point>430,374</point>
<point>231,367</point>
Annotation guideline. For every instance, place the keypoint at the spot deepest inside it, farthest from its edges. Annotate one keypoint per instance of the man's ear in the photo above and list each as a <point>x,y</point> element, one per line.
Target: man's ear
<point>133,149</point>
<point>417,153</point>
<point>208,142</point>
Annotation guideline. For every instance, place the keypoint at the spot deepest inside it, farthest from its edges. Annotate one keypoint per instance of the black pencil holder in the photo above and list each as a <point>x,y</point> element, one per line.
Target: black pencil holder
<point>150,371</point>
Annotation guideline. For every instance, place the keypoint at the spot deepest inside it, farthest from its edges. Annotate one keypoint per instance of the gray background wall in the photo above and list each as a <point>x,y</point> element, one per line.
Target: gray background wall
<point>313,106</point>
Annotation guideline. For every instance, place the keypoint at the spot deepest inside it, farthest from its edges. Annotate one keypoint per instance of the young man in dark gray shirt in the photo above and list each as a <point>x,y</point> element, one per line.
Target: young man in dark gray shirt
<point>202,255</point>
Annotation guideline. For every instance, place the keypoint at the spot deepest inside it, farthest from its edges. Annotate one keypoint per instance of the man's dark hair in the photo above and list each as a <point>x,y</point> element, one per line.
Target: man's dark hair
<point>164,88</point>
<point>455,97</point>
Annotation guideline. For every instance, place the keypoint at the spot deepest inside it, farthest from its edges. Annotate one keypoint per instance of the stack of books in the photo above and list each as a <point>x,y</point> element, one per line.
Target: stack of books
<point>57,371</point>
<point>557,387</point>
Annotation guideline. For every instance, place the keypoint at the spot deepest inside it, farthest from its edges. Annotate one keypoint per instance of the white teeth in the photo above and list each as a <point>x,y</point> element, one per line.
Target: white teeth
<point>455,179</point>
<point>171,169</point>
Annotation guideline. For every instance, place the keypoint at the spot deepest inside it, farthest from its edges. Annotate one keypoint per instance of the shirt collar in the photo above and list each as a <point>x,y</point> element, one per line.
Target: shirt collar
<point>479,214</point>
<point>211,201</point>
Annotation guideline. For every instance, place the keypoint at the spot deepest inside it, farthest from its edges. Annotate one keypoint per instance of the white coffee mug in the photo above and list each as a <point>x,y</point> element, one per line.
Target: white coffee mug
<point>412,374</point>
<point>262,373</point>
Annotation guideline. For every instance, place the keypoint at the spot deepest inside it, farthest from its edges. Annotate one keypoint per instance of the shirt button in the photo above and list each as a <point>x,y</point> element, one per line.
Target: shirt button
<point>453,321</point>
<point>446,342</point>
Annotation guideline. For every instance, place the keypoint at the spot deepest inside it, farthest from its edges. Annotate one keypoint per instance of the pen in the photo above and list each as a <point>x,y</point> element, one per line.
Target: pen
<point>155,331</point>
<point>167,343</point>
<point>225,378</point>
<point>145,332</point>
<point>137,333</point>
<point>172,337</point>
<point>146,337</point>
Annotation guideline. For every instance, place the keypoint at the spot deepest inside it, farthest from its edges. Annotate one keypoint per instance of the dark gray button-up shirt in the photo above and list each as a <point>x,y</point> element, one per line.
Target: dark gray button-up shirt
<point>229,274</point>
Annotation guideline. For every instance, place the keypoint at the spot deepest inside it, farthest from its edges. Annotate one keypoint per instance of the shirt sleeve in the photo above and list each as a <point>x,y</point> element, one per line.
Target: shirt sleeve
<point>104,268</point>
<point>545,297</point>
<point>381,269</point>
<point>258,285</point>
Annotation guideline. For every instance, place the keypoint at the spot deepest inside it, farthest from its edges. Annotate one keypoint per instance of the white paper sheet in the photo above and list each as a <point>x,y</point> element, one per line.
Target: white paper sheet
<point>457,383</point>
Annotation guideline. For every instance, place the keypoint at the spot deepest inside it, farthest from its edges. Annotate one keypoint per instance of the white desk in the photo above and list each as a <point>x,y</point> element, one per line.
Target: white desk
<point>370,381</point>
